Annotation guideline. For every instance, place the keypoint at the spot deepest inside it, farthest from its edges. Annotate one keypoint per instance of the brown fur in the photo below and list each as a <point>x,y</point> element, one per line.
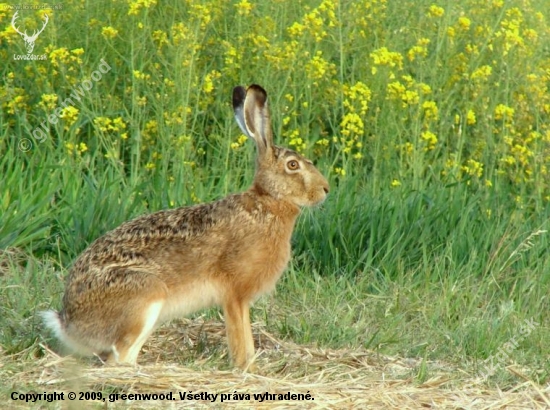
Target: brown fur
<point>174,262</point>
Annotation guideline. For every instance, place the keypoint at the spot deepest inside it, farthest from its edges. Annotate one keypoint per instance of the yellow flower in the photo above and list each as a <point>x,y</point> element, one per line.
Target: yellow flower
<point>318,67</point>
<point>201,13</point>
<point>151,129</point>
<point>240,142</point>
<point>473,168</point>
<point>244,7</point>
<point>295,140</point>
<point>231,58</point>
<point>431,111</point>
<point>410,98</point>
<point>464,23</point>
<point>384,57</point>
<point>425,89</point>
<point>357,97</point>
<point>296,30</point>
<point>69,115</point>
<point>208,85</point>
<point>430,139</point>
<point>503,112</point>
<point>470,117</point>
<point>406,148</point>
<point>436,11</point>
<point>109,32</point>
<point>160,37</point>
<point>77,52</point>
<point>396,89</point>
<point>482,73</point>
<point>103,123</point>
<point>395,183</point>
<point>141,76</point>
<point>340,171</point>
<point>530,34</point>
<point>451,32</point>
<point>119,124</point>
<point>137,5</point>
<point>420,49</point>
<point>59,56</point>
<point>76,148</point>
<point>352,124</point>
<point>48,102</point>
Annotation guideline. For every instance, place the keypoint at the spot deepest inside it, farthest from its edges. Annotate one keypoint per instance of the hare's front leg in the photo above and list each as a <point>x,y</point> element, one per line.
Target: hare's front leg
<point>239,332</point>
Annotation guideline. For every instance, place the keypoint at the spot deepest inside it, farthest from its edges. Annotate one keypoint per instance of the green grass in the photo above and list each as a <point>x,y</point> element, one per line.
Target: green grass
<point>414,253</point>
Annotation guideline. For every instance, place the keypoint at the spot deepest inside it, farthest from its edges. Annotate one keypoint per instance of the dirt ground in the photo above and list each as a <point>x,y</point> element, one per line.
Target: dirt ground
<point>287,376</point>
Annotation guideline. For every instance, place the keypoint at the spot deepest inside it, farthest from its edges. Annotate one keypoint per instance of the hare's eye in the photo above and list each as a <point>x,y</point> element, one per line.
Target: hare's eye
<point>293,165</point>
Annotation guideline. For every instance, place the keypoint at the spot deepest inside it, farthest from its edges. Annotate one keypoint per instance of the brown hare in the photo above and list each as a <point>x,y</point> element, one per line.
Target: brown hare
<point>175,262</point>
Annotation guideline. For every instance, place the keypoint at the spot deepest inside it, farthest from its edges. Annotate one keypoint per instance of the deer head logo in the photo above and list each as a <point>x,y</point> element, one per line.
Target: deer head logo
<point>29,40</point>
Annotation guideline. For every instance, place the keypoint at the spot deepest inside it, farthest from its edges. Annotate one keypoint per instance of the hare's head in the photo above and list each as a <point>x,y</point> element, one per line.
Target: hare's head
<point>280,172</point>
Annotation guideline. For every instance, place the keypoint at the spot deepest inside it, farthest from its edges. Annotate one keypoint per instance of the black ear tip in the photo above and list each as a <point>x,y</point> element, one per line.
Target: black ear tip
<point>239,94</point>
<point>258,88</point>
<point>261,94</point>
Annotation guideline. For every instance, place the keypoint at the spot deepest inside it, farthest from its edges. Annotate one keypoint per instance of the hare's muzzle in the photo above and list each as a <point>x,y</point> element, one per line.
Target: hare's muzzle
<point>323,191</point>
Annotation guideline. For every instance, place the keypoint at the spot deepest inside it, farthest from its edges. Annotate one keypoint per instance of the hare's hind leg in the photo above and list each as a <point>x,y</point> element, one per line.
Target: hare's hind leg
<point>239,332</point>
<point>133,336</point>
<point>134,306</point>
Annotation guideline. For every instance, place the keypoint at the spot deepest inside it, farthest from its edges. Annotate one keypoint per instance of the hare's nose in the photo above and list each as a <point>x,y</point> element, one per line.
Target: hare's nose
<point>325,188</point>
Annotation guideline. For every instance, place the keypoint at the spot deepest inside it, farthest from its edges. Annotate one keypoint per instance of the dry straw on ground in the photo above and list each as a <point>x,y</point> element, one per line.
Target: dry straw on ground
<point>173,361</point>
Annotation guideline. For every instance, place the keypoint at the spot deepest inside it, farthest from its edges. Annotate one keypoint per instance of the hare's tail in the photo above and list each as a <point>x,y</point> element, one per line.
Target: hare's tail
<point>52,321</point>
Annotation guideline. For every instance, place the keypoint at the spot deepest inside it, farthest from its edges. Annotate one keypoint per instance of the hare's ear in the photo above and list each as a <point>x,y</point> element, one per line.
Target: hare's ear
<point>252,115</point>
